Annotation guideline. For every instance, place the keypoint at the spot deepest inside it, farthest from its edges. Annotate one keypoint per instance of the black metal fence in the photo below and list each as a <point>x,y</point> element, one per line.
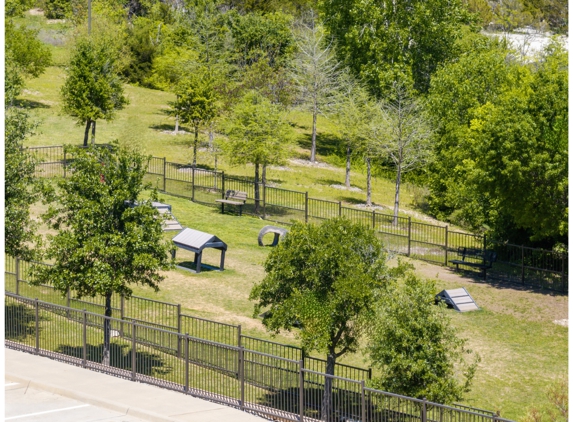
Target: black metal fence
<point>429,242</point>
<point>268,385</point>
<point>166,317</point>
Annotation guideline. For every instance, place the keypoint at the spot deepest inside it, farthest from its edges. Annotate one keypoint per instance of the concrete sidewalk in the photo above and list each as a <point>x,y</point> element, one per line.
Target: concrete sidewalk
<point>143,401</point>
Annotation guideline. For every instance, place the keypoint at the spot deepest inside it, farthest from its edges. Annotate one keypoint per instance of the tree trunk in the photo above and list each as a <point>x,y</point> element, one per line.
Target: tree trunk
<point>313,147</point>
<point>368,182</point>
<point>347,180</point>
<point>257,194</point>
<point>93,132</point>
<point>107,331</point>
<point>326,408</point>
<point>397,196</point>
<point>176,131</point>
<point>87,132</point>
<point>195,142</point>
<point>211,136</point>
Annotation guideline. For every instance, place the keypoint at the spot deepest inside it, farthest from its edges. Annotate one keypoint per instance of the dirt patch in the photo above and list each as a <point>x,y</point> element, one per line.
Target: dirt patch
<point>36,12</point>
<point>371,207</point>
<point>172,132</point>
<point>53,21</point>
<point>563,322</point>
<point>423,217</point>
<point>343,187</point>
<point>307,163</point>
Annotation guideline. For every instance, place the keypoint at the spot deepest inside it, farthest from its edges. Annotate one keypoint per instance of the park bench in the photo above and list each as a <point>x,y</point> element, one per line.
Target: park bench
<point>478,258</point>
<point>233,197</point>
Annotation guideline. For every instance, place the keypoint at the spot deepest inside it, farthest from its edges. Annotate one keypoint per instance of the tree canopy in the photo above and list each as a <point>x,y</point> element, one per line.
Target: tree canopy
<point>385,41</point>
<point>93,89</point>
<point>325,279</point>
<point>104,244</point>
<point>414,345</point>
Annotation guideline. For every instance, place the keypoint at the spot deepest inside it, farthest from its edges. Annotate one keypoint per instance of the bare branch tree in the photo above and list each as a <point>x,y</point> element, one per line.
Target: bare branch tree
<point>402,132</point>
<point>315,70</point>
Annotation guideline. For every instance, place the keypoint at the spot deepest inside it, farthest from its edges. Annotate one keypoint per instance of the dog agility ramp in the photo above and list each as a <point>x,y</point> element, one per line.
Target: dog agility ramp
<point>170,222</point>
<point>460,299</point>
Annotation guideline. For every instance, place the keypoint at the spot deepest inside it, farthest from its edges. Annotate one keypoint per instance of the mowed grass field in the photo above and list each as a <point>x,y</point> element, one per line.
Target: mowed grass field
<point>521,348</point>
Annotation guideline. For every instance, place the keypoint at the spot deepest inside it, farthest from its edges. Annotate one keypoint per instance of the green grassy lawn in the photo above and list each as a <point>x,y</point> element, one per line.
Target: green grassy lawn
<point>521,347</point>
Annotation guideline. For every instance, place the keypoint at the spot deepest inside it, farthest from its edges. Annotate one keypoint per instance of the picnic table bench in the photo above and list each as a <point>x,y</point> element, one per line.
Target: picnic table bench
<point>233,197</point>
<point>479,258</point>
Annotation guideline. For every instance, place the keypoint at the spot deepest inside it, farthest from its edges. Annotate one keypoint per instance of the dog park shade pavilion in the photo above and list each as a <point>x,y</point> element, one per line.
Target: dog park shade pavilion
<point>196,241</point>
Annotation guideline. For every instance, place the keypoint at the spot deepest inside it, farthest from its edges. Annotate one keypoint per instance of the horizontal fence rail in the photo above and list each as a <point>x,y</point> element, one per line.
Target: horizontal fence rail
<point>271,386</point>
<point>164,316</point>
<point>429,242</point>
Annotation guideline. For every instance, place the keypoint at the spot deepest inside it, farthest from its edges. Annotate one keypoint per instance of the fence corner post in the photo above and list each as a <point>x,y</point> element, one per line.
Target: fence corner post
<point>301,390</point>
<point>424,410</point>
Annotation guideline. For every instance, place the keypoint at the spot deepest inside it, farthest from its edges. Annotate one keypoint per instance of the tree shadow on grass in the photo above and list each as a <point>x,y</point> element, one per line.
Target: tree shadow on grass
<point>326,144</point>
<point>120,357</point>
<point>19,321</point>
<point>171,128</point>
<point>30,104</point>
<point>190,266</point>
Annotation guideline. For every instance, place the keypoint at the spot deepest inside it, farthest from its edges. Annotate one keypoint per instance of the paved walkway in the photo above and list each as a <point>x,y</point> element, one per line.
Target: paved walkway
<point>139,400</point>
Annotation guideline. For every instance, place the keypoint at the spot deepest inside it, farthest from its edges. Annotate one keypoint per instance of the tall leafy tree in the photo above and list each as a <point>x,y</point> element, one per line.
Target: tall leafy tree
<point>388,40</point>
<point>316,71</point>
<point>21,188</point>
<point>324,279</point>
<point>415,346</point>
<point>104,245</point>
<point>196,104</point>
<point>93,89</point>
<point>258,134</point>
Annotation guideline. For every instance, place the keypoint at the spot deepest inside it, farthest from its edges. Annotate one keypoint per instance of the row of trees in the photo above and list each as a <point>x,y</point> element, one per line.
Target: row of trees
<point>406,85</point>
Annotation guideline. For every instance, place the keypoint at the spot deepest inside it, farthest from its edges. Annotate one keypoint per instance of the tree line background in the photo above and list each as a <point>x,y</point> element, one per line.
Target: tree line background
<point>417,90</point>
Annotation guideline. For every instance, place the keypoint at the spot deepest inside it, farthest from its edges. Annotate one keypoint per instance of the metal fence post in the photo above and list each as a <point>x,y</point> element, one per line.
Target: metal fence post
<point>133,352</point>
<point>242,376</point>
<point>446,248</point>
<point>374,219</point>
<point>301,391</point>
<point>68,302</point>
<point>164,175</point>
<point>85,340</point>
<point>563,283</point>
<point>409,234</point>
<point>193,184</point>
<point>18,276</point>
<point>186,363</point>
<point>179,330</point>
<point>37,327</point>
<point>522,265</point>
<point>340,208</point>
<point>306,207</point>
<point>121,313</point>
<point>424,411</point>
<point>264,200</point>
<point>222,185</point>
<point>363,397</point>
<point>369,373</point>
<point>239,336</point>
<point>65,163</point>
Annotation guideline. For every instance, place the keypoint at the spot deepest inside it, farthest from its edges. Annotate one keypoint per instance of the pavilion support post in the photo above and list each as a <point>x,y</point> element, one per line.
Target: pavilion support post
<point>222,266</point>
<point>198,262</point>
